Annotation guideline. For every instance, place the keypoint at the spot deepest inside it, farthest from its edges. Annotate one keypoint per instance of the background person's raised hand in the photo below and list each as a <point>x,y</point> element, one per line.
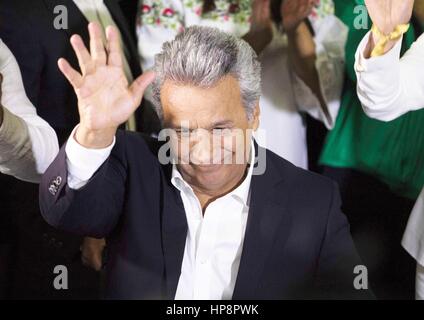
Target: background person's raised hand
<point>293,12</point>
<point>261,15</point>
<point>105,99</point>
<point>387,14</point>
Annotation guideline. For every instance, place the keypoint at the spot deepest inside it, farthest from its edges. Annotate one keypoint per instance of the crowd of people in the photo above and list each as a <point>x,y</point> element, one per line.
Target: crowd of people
<point>83,106</point>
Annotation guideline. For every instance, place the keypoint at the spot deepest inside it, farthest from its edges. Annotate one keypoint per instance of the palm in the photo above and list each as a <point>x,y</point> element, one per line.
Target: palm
<point>387,14</point>
<point>104,98</point>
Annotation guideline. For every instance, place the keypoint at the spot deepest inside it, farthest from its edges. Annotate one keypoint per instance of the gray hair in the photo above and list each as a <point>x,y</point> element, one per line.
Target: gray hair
<point>201,56</point>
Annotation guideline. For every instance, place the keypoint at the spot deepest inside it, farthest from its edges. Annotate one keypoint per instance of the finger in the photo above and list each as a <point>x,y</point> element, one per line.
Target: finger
<point>140,84</point>
<point>97,48</point>
<point>115,53</point>
<point>309,7</point>
<point>84,58</point>
<point>305,8</point>
<point>303,4</point>
<point>73,76</point>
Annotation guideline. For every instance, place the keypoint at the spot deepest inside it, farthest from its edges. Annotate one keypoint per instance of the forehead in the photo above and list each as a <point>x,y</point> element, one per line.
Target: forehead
<point>184,102</point>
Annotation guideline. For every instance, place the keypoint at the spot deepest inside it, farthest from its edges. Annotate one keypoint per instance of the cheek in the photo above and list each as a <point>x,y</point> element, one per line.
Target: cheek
<point>180,149</point>
<point>235,145</point>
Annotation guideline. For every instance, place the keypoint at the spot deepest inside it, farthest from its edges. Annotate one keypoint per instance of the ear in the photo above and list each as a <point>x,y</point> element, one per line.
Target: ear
<point>255,119</point>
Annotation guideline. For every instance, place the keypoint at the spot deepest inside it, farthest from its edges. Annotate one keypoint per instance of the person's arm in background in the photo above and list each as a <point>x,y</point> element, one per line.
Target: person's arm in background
<point>260,33</point>
<point>27,143</point>
<point>317,60</point>
<point>387,85</point>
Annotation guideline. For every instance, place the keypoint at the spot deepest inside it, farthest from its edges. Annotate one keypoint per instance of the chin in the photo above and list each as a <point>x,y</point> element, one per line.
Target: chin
<point>210,175</point>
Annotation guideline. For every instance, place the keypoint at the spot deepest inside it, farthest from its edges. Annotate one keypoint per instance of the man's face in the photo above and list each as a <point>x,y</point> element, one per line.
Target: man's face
<point>213,138</point>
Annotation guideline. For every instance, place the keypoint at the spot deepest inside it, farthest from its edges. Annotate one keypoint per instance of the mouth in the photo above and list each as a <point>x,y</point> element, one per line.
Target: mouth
<point>206,167</point>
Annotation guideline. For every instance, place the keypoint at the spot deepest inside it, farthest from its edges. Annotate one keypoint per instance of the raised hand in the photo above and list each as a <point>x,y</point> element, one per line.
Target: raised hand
<point>261,15</point>
<point>105,100</point>
<point>387,14</point>
<point>293,12</point>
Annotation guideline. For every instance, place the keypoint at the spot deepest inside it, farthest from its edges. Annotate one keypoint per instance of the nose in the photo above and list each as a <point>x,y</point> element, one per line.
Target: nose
<point>201,151</point>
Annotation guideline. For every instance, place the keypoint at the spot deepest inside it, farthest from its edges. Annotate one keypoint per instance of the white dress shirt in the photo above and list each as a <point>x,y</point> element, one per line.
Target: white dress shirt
<point>284,95</point>
<point>96,11</point>
<point>27,143</point>
<point>389,87</point>
<point>214,240</point>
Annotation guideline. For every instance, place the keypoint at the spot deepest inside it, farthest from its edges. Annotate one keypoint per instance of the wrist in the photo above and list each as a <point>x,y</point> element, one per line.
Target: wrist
<point>260,31</point>
<point>258,39</point>
<point>374,39</point>
<point>380,43</point>
<point>94,139</point>
<point>294,31</point>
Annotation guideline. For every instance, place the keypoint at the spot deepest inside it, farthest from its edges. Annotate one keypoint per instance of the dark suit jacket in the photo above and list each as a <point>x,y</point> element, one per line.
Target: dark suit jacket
<point>297,242</point>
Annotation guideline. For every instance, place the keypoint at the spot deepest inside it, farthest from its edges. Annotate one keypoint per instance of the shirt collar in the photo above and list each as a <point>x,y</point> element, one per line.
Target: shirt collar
<point>241,193</point>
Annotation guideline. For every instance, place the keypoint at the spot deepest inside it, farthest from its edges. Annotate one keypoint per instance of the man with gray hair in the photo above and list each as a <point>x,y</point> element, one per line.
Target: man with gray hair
<point>203,223</point>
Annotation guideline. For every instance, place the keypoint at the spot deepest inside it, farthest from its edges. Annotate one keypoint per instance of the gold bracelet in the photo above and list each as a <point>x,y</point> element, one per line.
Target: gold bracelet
<point>384,39</point>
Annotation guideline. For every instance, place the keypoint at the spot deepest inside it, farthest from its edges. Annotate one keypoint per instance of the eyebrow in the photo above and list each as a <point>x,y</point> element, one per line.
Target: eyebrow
<point>220,123</point>
<point>223,123</point>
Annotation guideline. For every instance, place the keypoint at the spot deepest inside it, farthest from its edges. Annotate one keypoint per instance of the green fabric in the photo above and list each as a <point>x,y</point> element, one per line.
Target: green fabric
<point>391,151</point>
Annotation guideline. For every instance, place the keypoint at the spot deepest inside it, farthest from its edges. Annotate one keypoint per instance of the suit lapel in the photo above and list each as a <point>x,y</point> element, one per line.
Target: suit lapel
<point>77,23</point>
<point>174,234</point>
<point>115,10</point>
<point>267,215</point>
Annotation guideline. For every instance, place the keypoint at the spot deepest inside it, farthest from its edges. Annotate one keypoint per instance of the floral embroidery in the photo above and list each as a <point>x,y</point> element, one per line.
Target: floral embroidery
<point>322,8</point>
<point>236,11</point>
<point>155,13</point>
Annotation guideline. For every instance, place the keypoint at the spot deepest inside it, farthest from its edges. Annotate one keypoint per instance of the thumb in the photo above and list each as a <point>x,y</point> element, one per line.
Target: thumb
<point>140,84</point>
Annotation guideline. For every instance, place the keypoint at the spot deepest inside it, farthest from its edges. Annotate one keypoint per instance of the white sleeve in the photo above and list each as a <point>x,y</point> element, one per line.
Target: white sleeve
<point>389,87</point>
<point>413,237</point>
<point>82,162</point>
<point>330,40</point>
<point>27,143</point>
